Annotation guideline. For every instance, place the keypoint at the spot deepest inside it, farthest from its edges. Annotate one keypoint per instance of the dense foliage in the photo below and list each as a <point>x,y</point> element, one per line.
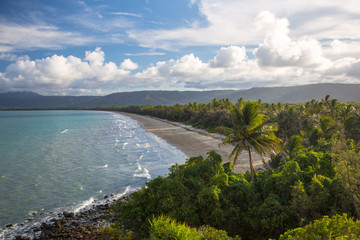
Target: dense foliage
<point>163,227</point>
<point>316,174</point>
<point>337,227</point>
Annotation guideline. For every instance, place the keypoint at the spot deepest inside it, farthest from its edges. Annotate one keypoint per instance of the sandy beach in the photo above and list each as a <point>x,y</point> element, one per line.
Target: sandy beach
<point>192,141</point>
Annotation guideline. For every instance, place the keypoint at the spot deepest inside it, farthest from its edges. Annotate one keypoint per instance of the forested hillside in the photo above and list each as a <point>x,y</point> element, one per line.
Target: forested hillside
<point>297,94</point>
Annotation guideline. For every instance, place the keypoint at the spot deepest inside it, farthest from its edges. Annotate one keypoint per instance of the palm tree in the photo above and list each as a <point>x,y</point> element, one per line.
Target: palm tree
<point>251,133</point>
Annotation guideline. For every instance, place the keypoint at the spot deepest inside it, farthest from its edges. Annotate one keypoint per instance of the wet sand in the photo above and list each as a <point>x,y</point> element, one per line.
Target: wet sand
<point>192,141</point>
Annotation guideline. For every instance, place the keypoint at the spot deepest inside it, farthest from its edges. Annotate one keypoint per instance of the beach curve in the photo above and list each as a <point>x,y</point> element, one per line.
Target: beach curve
<point>192,141</point>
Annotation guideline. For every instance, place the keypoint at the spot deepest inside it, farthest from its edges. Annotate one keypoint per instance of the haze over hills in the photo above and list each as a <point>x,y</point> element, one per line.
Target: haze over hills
<point>296,94</point>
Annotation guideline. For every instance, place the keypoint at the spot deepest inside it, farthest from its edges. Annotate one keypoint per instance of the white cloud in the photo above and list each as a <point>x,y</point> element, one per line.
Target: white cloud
<point>127,14</point>
<point>281,59</point>
<point>279,50</point>
<point>16,37</point>
<point>128,64</point>
<point>345,67</point>
<point>342,49</point>
<point>96,58</point>
<point>232,23</point>
<point>229,57</point>
<point>12,57</point>
<point>59,72</point>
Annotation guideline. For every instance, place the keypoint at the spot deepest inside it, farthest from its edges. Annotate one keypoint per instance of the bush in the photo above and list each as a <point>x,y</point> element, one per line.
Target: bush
<point>115,233</point>
<point>164,227</point>
<point>337,227</point>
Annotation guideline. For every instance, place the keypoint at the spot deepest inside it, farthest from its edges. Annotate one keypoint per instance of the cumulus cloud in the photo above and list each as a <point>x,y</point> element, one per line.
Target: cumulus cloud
<point>59,72</point>
<point>337,49</point>
<point>278,49</point>
<point>128,64</point>
<point>229,57</point>
<point>232,23</point>
<point>96,58</point>
<point>345,67</point>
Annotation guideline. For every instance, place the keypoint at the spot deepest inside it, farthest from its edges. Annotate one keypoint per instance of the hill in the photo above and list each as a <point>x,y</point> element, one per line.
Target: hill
<point>296,94</point>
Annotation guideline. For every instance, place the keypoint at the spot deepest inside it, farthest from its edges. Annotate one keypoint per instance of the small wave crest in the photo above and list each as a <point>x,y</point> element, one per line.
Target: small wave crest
<point>65,131</point>
<point>142,172</point>
<point>84,205</point>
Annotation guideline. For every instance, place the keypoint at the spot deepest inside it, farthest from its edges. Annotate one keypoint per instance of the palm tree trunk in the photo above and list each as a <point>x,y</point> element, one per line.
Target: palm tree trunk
<point>252,168</point>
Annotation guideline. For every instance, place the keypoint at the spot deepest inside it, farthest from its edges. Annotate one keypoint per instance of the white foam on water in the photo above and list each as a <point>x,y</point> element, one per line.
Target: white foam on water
<point>84,205</point>
<point>124,145</point>
<point>141,172</point>
<point>65,131</point>
<point>126,191</point>
<point>145,174</point>
<point>139,168</point>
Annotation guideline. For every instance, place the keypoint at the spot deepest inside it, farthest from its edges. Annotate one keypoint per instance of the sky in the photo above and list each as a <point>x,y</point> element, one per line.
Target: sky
<point>97,47</point>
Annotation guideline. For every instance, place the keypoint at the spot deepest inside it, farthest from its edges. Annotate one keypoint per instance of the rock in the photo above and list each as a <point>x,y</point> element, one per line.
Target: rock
<point>74,223</point>
<point>21,238</point>
<point>68,214</point>
<point>9,225</point>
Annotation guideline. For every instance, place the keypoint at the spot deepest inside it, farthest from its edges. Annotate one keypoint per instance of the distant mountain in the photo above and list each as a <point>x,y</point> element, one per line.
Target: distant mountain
<point>296,94</point>
<point>301,94</point>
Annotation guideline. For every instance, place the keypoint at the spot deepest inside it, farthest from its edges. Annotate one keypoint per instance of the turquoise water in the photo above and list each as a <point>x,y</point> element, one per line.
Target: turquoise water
<point>51,161</point>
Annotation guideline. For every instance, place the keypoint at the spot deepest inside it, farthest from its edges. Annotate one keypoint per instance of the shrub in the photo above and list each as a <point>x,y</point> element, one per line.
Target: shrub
<point>164,227</point>
<point>337,227</point>
<point>115,233</point>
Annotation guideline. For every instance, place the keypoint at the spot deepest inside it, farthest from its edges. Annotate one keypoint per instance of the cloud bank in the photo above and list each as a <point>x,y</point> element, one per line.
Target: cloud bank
<point>279,60</point>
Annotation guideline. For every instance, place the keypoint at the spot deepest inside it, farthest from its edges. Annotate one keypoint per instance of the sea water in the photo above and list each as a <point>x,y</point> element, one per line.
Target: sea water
<point>51,161</point>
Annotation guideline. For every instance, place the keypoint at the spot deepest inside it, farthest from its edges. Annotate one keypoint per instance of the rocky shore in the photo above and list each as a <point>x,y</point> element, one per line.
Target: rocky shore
<point>82,225</point>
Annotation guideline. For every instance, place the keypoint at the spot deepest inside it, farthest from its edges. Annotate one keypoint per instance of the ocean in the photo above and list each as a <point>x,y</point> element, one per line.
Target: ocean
<point>52,161</point>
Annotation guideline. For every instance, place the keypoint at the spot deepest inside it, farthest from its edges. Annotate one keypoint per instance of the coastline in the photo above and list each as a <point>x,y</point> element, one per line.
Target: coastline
<point>86,223</point>
<point>192,141</point>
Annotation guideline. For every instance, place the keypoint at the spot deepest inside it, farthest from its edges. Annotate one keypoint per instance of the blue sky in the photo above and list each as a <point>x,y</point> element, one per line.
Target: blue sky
<point>96,47</point>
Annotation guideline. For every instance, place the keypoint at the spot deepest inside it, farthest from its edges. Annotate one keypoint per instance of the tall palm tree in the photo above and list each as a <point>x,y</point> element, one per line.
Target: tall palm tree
<point>251,133</point>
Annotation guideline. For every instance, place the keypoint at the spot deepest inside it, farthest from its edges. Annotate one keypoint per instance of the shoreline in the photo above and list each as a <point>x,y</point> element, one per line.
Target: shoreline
<point>192,141</point>
<point>86,223</point>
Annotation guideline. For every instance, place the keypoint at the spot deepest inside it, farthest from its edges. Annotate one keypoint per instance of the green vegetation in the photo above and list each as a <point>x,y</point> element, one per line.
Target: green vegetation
<point>166,228</point>
<point>337,227</point>
<point>250,133</point>
<point>313,175</point>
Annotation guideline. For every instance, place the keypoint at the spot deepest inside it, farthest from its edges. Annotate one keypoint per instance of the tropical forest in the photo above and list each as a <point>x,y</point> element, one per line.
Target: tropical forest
<point>307,188</point>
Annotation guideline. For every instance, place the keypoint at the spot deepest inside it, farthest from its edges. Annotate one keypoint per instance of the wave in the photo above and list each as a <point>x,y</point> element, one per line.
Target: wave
<point>84,205</point>
<point>141,172</point>
<point>145,174</point>
<point>65,131</point>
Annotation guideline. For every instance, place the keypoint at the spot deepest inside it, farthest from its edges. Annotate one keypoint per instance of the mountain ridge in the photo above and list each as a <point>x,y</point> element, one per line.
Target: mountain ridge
<point>292,94</point>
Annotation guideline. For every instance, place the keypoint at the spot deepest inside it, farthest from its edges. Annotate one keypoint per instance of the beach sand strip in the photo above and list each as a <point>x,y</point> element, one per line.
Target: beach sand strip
<point>192,141</point>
